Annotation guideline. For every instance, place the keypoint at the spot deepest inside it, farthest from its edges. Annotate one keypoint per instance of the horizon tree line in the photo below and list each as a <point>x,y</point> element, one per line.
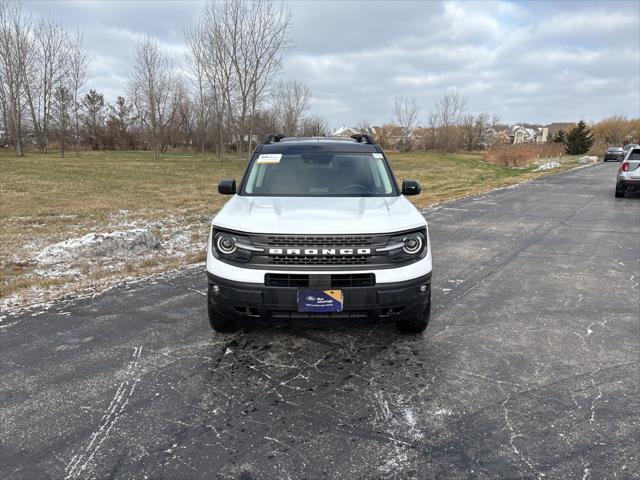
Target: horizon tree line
<point>228,97</point>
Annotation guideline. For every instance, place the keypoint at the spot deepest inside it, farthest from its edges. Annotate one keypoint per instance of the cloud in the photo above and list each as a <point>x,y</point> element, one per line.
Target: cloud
<point>523,61</point>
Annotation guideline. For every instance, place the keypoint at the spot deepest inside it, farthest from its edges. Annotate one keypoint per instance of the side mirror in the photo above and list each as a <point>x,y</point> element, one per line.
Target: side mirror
<point>410,187</point>
<point>227,187</point>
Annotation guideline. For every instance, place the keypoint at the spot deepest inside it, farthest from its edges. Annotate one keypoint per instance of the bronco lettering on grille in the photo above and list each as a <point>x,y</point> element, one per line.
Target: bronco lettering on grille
<point>319,251</point>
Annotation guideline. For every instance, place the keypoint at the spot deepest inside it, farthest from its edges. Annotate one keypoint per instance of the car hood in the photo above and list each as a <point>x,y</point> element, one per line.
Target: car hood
<point>324,215</point>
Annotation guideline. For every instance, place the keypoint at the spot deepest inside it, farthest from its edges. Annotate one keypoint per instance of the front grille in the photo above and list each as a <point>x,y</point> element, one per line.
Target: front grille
<point>286,280</point>
<point>319,240</point>
<point>353,280</point>
<point>317,260</point>
<point>338,280</point>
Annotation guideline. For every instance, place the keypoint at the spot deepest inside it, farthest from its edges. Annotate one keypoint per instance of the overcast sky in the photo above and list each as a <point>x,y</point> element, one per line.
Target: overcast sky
<point>523,61</point>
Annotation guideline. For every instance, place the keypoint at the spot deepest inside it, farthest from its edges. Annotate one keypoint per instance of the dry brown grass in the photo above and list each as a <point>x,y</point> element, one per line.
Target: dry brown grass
<point>522,155</point>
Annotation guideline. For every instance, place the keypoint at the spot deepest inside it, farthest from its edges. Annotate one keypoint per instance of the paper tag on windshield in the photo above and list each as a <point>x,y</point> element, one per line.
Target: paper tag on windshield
<point>377,155</point>
<point>269,158</point>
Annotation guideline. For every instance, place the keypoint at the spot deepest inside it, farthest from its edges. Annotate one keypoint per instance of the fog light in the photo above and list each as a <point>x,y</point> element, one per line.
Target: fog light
<point>215,289</point>
<point>423,288</point>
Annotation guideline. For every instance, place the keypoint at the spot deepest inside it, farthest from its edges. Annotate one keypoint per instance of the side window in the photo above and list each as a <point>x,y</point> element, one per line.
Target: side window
<point>634,155</point>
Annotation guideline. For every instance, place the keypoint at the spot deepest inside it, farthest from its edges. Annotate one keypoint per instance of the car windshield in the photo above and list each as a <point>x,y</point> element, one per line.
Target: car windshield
<point>615,149</point>
<point>320,174</point>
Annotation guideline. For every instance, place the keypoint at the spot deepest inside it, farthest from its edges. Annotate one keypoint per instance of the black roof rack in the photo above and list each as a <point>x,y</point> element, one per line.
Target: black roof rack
<point>272,138</point>
<point>363,138</point>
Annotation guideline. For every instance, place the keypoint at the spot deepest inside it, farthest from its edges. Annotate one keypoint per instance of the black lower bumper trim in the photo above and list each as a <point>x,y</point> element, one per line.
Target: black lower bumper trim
<point>629,185</point>
<point>389,301</point>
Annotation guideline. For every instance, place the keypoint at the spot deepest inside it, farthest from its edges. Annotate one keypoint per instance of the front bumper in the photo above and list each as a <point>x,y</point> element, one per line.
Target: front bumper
<point>382,302</point>
<point>613,158</point>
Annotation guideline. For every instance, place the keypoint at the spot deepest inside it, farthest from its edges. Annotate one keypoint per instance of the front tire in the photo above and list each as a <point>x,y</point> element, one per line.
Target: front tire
<point>218,322</point>
<point>417,324</point>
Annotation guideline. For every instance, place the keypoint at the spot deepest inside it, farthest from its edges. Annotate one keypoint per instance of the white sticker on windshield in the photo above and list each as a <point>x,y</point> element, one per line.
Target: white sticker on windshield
<point>269,158</point>
<point>377,155</point>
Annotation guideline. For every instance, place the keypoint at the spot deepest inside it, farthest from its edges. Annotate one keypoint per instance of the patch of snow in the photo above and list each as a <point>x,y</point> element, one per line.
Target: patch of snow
<point>116,244</point>
<point>547,166</point>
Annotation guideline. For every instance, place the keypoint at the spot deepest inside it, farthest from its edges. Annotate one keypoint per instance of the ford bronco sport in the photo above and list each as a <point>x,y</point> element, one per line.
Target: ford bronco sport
<point>317,228</point>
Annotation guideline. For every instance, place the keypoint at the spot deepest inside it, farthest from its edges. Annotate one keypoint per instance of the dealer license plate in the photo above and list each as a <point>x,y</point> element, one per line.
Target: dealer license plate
<point>320,301</point>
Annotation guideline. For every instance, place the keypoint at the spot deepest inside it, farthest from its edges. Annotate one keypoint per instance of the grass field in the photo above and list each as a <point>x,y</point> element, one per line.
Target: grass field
<point>45,199</point>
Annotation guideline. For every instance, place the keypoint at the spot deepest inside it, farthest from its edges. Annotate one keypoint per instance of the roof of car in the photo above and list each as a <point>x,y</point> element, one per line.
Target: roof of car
<point>317,139</point>
<point>327,144</point>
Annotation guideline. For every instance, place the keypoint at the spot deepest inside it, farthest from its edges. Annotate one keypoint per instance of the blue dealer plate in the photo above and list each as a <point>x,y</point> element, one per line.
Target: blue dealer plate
<point>320,301</point>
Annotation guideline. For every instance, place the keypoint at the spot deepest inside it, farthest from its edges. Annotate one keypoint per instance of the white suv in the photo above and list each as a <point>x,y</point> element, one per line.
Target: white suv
<point>318,228</point>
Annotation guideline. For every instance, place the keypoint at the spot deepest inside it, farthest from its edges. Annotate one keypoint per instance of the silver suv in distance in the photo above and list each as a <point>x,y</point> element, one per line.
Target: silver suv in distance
<point>628,178</point>
<point>615,154</point>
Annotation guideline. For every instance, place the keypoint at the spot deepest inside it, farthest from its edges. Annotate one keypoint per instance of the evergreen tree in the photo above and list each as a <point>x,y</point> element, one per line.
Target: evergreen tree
<point>118,126</point>
<point>93,103</point>
<point>560,136</point>
<point>579,140</point>
<point>62,103</point>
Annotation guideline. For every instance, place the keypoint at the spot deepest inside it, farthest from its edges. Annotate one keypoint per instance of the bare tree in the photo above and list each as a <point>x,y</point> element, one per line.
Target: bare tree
<point>78,64</point>
<point>433,129</point>
<point>290,101</point>
<point>405,113</point>
<point>450,109</point>
<point>483,130</point>
<point>15,50</point>
<point>152,89</point>
<point>265,48</point>
<point>242,45</point>
<point>61,106</point>
<point>314,126</point>
<point>3,105</point>
<point>198,69</point>
<point>47,70</point>
<point>209,46</point>
<point>468,131</point>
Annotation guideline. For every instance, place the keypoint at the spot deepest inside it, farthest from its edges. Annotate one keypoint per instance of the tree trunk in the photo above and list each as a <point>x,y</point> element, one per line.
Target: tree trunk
<point>77,129</point>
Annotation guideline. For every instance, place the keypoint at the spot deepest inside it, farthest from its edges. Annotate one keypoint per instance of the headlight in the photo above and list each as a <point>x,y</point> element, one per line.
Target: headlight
<point>413,243</point>
<point>406,247</point>
<point>226,243</point>
<point>233,247</point>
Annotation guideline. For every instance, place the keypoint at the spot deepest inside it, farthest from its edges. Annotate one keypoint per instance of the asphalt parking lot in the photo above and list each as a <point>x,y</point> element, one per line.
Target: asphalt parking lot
<point>529,368</point>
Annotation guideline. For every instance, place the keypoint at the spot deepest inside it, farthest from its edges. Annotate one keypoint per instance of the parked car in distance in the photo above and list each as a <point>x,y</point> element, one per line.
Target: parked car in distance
<point>614,154</point>
<point>628,178</point>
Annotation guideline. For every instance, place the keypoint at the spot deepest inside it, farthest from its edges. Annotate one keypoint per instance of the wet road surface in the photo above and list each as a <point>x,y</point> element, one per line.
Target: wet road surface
<point>529,368</point>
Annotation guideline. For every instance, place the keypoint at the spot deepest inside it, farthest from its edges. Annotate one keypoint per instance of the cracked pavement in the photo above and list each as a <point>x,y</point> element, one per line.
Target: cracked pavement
<point>529,368</point>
